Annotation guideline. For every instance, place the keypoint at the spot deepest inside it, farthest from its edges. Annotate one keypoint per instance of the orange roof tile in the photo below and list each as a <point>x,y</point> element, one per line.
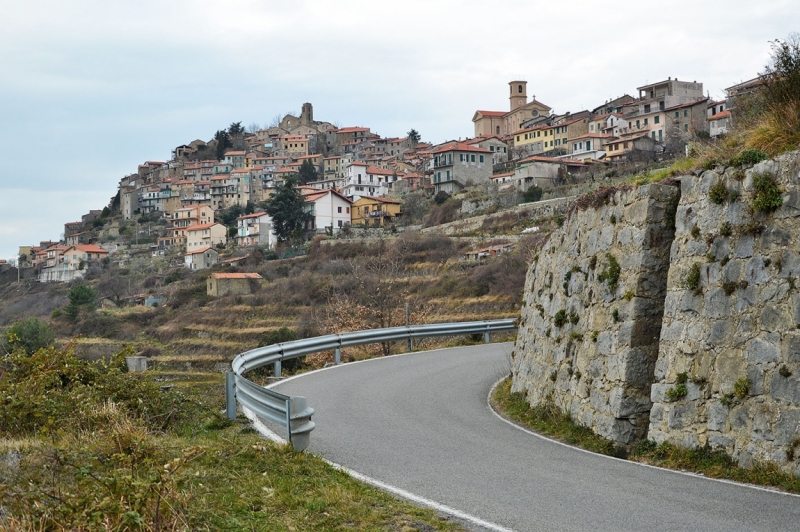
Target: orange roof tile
<point>235,276</point>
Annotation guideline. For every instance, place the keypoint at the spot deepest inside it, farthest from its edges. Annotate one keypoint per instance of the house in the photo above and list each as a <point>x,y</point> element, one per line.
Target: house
<point>590,146</point>
<point>182,219</point>
<point>374,211</point>
<point>234,159</point>
<point>719,123</point>
<point>220,284</point>
<point>78,256</point>
<point>490,251</point>
<point>503,123</point>
<point>205,235</point>
<point>329,209</point>
<point>456,165</point>
<point>627,146</point>
<point>201,258</point>
<point>255,230</point>
<point>494,144</point>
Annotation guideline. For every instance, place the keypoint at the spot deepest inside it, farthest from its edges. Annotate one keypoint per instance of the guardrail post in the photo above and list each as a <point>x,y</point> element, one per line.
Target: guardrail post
<point>486,337</point>
<point>277,368</point>
<point>230,395</point>
<point>337,356</point>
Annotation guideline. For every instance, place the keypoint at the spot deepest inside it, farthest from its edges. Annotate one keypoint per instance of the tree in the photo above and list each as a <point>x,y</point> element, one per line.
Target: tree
<point>235,129</point>
<point>29,335</point>
<point>223,142</point>
<point>253,128</point>
<point>81,297</point>
<point>307,172</point>
<point>413,137</point>
<point>287,208</point>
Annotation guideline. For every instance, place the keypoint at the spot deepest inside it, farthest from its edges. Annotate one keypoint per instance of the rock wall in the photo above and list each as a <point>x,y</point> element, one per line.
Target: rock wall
<point>728,369</point>
<point>591,318</point>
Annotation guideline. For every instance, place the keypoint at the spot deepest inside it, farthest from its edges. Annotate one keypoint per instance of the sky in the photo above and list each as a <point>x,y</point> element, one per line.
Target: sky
<point>91,89</point>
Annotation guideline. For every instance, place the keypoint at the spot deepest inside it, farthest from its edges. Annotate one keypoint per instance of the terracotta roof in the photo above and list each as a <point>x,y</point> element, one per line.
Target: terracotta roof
<point>459,146</point>
<point>504,174</point>
<point>381,171</point>
<point>254,215</point>
<point>720,115</point>
<point>201,226</point>
<point>592,136</point>
<point>690,104</point>
<point>235,152</point>
<point>197,251</point>
<point>235,276</point>
<point>89,248</point>
<point>352,129</point>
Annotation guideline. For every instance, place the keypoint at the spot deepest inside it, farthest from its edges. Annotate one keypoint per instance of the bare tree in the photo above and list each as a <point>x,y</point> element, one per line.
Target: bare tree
<point>253,127</point>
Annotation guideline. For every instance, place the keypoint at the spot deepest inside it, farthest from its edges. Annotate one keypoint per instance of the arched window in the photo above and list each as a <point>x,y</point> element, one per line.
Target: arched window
<point>519,89</point>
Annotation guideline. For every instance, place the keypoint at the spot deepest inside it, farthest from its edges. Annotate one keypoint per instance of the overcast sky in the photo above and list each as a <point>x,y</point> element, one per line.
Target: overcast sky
<point>90,89</point>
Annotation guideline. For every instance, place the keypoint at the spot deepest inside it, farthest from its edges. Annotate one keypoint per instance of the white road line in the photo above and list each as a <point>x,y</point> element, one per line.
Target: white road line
<point>640,464</point>
<point>422,501</point>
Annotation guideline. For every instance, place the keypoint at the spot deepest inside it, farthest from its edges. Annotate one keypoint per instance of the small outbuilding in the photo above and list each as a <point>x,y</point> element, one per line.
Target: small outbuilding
<point>220,284</point>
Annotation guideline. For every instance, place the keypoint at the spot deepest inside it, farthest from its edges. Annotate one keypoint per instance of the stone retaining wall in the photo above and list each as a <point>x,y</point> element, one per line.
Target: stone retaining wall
<point>584,343</point>
<point>740,324</point>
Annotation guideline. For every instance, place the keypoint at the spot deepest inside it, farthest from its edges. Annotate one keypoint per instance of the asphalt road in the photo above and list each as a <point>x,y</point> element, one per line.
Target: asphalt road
<point>420,422</point>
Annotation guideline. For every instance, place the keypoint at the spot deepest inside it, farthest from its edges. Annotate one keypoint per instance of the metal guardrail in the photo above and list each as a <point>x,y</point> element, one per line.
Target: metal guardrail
<point>292,412</point>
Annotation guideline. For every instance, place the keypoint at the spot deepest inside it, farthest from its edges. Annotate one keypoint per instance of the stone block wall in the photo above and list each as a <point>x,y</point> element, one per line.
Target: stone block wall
<point>728,369</point>
<point>583,343</point>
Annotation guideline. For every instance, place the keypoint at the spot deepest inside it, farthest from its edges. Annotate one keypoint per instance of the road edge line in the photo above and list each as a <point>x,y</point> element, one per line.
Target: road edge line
<point>631,462</point>
<point>399,492</point>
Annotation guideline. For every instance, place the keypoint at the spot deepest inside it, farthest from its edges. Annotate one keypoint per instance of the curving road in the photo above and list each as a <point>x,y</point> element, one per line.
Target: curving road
<point>420,422</point>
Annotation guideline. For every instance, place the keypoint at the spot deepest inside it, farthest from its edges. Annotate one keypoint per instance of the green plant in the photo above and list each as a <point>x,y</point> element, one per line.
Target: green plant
<point>767,262</point>
<point>718,193</point>
<point>733,195</point>
<point>81,297</point>
<point>692,279</point>
<point>729,287</point>
<point>695,232</point>
<point>560,220</point>
<point>766,193</point>
<point>613,219</point>
<point>710,257</point>
<point>594,336</point>
<point>725,229</point>
<point>784,372</point>
<point>573,318</point>
<point>710,164</point>
<point>682,378</point>
<point>578,374</point>
<point>629,295</point>
<point>611,273</point>
<point>560,318</point>
<point>28,336</point>
<point>615,315</point>
<point>751,228</point>
<point>725,260</point>
<point>575,336</point>
<point>727,399</point>
<point>749,157</point>
<point>677,392</point>
<point>533,194</point>
<point>700,381</point>
<point>742,387</point>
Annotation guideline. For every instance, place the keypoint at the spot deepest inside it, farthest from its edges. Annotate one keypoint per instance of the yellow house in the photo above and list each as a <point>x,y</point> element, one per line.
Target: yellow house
<point>369,210</point>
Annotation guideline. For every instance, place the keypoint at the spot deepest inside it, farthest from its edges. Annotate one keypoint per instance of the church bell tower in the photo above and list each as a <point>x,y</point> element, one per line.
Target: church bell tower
<point>519,94</point>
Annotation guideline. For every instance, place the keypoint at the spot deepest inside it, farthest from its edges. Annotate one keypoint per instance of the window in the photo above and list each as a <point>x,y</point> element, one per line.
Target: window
<point>497,130</point>
<point>472,158</point>
<point>348,210</point>
<point>588,145</point>
<point>637,125</point>
<point>645,121</point>
<point>685,113</point>
<point>656,119</point>
<point>339,210</point>
<point>491,148</point>
<point>448,175</point>
<point>462,156</point>
<point>686,127</point>
<point>340,223</point>
<point>677,114</point>
<point>647,108</point>
<point>660,134</point>
<point>480,158</point>
<point>654,135</point>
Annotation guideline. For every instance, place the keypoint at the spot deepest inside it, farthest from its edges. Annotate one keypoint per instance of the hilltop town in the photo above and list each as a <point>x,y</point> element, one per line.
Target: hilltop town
<point>207,201</point>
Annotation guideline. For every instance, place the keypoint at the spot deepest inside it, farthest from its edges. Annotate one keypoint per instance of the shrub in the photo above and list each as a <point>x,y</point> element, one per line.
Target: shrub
<point>692,280</point>
<point>742,387</point>
<point>533,193</point>
<point>28,336</point>
<point>676,392</point>
<point>441,197</point>
<point>749,157</point>
<point>718,193</point>
<point>611,273</point>
<point>560,318</point>
<point>766,194</point>
<point>725,229</point>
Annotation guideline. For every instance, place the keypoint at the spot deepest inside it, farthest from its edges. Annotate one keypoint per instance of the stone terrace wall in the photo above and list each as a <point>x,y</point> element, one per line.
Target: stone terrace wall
<point>742,323</point>
<point>535,210</point>
<point>598,364</point>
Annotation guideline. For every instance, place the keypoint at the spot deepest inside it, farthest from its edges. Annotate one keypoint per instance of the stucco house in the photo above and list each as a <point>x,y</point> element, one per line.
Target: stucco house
<point>255,230</point>
<point>373,211</point>
<point>329,209</point>
<point>201,258</point>
<point>205,235</point>
<point>458,164</point>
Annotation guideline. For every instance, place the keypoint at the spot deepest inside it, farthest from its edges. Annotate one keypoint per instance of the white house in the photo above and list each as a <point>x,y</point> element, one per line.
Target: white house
<point>255,230</point>
<point>329,209</point>
<point>362,179</point>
